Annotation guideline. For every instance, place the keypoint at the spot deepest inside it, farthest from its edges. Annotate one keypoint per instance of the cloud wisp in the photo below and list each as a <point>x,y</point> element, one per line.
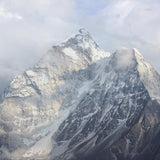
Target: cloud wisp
<point>133,24</point>
<point>6,14</point>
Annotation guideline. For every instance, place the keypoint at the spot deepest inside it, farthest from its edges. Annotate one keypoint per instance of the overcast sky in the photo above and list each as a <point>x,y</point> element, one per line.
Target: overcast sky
<point>28,28</point>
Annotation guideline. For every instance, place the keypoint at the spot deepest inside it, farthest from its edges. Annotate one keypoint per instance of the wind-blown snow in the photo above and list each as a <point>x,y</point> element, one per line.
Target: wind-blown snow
<point>125,58</point>
<point>99,54</point>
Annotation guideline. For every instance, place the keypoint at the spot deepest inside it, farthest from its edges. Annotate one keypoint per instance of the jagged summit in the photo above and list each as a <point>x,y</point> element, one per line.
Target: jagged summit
<point>84,32</point>
<point>82,46</point>
<point>84,35</point>
<point>80,39</point>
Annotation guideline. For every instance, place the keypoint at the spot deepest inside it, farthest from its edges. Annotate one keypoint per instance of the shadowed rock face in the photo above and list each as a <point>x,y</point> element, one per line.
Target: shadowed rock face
<point>140,142</point>
<point>81,103</point>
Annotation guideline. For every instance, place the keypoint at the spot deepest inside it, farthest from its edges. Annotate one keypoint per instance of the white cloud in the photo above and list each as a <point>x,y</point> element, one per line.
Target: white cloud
<point>134,24</point>
<point>44,23</point>
<point>4,13</point>
<point>124,58</point>
<point>23,41</point>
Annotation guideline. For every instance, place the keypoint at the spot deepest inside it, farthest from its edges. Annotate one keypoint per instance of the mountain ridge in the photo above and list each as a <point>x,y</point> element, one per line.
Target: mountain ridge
<point>77,100</point>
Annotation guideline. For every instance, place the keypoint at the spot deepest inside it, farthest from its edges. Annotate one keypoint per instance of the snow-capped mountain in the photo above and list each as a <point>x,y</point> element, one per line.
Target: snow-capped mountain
<point>82,103</point>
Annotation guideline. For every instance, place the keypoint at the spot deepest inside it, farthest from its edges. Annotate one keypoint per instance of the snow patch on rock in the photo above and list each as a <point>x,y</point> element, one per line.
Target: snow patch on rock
<point>71,53</point>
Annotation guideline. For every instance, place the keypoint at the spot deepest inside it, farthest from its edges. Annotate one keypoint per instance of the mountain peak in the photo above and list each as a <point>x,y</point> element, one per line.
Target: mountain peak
<point>84,47</point>
<point>84,36</point>
<point>75,102</point>
<point>84,32</point>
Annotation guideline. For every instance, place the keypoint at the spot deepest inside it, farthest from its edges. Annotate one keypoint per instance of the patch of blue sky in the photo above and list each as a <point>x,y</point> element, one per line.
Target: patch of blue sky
<point>90,7</point>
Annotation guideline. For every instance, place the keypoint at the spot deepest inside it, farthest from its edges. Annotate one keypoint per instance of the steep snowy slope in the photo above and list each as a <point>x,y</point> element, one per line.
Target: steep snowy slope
<point>148,76</point>
<point>81,103</point>
<point>110,109</point>
<point>41,98</point>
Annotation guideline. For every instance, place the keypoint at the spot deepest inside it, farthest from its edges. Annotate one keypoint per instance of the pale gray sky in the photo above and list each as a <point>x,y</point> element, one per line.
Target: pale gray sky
<point>28,28</point>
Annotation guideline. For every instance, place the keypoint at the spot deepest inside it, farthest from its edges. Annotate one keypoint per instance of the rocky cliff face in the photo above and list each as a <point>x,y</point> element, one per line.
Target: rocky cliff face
<point>81,103</point>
